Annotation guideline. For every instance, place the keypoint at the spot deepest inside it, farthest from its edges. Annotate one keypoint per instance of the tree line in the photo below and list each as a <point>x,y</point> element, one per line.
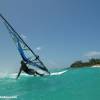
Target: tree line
<point>89,63</point>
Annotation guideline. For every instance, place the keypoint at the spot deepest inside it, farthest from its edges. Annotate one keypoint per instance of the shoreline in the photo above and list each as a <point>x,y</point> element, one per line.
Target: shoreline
<point>95,66</point>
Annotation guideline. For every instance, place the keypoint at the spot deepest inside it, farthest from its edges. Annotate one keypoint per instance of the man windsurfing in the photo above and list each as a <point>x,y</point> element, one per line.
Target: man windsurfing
<point>26,52</point>
<point>27,70</point>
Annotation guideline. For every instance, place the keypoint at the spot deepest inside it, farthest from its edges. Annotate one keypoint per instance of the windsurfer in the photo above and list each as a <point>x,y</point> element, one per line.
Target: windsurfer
<point>26,53</point>
<point>27,70</point>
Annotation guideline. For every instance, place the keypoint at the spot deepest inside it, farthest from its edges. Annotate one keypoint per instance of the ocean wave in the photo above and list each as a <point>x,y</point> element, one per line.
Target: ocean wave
<point>3,75</point>
<point>13,75</point>
<point>7,75</point>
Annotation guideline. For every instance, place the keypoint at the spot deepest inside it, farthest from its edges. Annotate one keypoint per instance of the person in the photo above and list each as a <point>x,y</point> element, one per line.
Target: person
<point>27,70</point>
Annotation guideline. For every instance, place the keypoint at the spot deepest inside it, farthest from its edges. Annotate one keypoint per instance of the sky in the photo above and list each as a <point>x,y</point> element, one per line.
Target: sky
<point>60,31</point>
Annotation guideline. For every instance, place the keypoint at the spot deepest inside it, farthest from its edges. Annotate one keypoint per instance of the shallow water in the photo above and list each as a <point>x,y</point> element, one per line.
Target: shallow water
<point>74,84</point>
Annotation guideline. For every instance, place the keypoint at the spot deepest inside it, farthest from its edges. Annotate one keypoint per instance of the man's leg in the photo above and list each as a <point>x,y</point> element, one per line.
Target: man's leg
<point>31,72</point>
<point>39,74</point>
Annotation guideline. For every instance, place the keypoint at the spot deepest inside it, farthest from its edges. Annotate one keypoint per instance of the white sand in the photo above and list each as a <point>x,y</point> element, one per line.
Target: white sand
<point>96,66</point>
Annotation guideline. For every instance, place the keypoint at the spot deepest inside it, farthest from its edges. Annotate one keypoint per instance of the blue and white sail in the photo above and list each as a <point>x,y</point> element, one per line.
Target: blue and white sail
<point>25,51</point>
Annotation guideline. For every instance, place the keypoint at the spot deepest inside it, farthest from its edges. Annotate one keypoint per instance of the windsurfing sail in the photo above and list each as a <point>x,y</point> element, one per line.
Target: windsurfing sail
<point>25,51</point>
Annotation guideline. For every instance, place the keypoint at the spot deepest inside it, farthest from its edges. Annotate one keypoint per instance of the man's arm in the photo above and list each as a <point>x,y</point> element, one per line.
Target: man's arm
<point>19,73</point>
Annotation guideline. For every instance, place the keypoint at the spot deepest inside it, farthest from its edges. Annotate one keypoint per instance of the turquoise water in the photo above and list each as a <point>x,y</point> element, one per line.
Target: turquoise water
<point>74,84</point>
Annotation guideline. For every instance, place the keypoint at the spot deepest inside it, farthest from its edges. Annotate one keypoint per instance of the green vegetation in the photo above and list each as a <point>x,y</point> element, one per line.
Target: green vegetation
<point>89,63</point>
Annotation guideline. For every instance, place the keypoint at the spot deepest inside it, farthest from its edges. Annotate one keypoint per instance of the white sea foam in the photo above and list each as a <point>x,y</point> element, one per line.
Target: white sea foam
<point>14,75</point>
<point>58,73</point>
<point>2,75</point>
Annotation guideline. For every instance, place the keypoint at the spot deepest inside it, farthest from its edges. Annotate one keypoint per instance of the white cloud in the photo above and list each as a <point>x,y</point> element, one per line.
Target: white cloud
<point>23,36</point>
<point>92,54</point>
<point>38,48</point>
